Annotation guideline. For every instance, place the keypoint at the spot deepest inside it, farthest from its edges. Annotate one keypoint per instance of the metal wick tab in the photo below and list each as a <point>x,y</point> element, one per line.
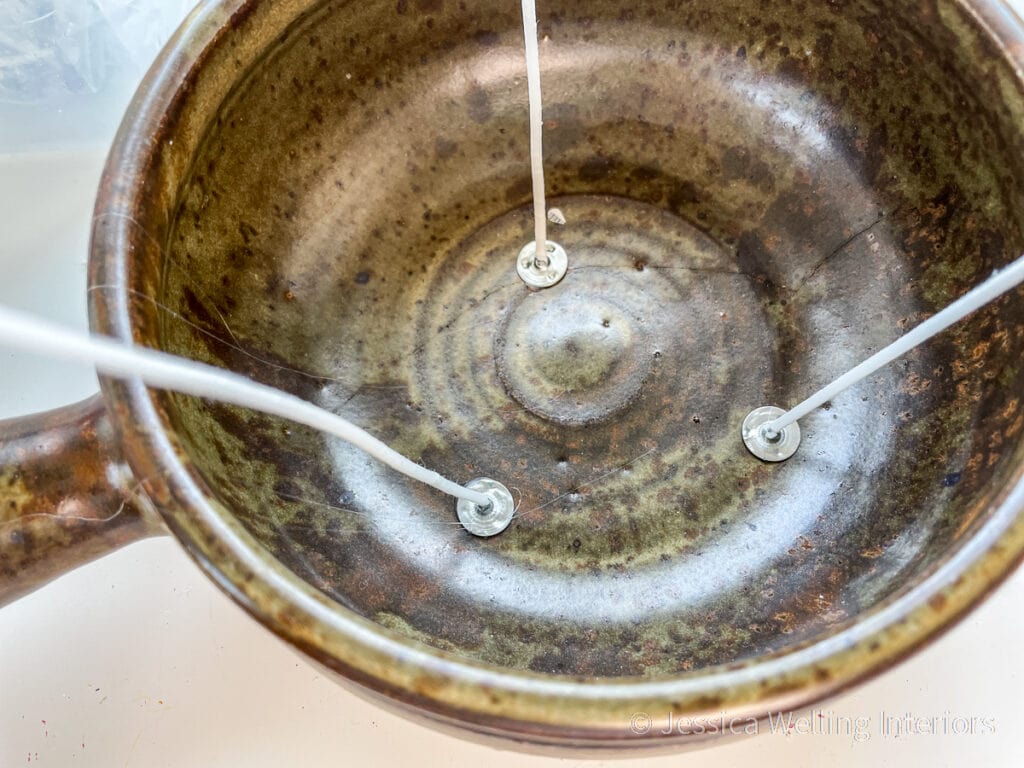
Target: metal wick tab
<point>491,519</point>
<point>542,269</point>
<point>769,444</point>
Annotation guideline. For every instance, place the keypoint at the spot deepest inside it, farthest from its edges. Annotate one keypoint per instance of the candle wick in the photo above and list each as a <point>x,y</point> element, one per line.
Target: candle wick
<point>541,263</point>
<point>758,431</point>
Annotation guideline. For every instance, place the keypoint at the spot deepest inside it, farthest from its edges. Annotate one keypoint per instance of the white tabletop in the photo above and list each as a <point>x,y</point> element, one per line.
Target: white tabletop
<point>138,660</point>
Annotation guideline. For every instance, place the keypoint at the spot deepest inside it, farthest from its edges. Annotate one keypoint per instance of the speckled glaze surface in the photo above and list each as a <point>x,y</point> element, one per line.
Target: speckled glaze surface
<point>329,197</point>
<point>66,496</point>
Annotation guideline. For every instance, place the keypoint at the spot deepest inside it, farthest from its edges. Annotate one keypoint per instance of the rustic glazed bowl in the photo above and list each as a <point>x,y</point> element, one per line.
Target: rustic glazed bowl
<point>329,197</point>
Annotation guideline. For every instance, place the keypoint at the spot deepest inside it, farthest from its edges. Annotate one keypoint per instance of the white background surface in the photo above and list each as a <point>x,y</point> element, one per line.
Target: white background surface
<point>137,660</point>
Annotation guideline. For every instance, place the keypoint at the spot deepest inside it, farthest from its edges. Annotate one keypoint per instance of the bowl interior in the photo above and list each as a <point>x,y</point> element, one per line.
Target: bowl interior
<point>756,197</point>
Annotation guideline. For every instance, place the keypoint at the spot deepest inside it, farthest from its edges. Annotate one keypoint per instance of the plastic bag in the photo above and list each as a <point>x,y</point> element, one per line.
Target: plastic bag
<point>52,49</point>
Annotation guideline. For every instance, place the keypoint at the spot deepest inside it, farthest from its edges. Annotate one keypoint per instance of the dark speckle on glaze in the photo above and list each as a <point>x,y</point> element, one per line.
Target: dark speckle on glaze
<point>487,37</point>
<point>444,148</point>
<point>478,104</point>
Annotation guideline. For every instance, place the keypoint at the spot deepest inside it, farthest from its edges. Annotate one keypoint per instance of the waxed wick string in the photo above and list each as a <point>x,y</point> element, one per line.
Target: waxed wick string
<point>164,371</point>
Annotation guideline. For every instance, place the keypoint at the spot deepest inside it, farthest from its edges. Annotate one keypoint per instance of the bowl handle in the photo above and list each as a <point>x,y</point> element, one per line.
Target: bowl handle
<point>66,495</point>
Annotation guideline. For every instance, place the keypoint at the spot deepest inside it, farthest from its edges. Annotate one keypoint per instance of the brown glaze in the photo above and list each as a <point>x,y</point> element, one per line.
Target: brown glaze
<point>66,496</point>
<point>329,196</point>
<point>751,206</point>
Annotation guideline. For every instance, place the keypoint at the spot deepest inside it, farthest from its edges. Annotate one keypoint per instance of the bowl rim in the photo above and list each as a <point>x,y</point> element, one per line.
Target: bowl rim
<point>451,690</point>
